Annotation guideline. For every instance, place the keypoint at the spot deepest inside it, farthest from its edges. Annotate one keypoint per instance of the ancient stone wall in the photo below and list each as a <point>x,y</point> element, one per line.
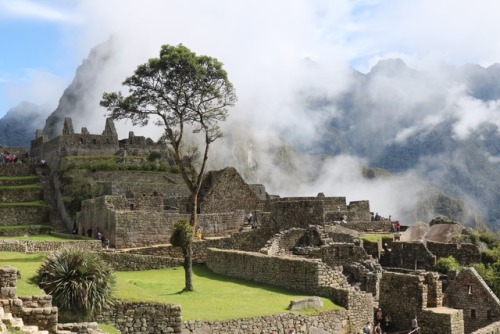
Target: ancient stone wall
<point>433,321</point>
<point>365,274</point>
<point>284,241</point>
<point>493,328</point>
<point>469,292</point>
<point>251,241</point>
<point>329,322</point>
<point>117,218</point>
<point>36,311</point>
<point>411,255</point>
<point>29,246</point>
<point>144,317</point>
<point>369,226</point>
<point>134,262</point>
<point>358,211</point>
<point>23,215</point>
<point>226,191</point>
<point>334,254</point>
<point>393,286</point>
<point>297,212</point>
<point>465,254</point>
<point>306,275</point>
<point>24,194</point>
<point>17,169</point>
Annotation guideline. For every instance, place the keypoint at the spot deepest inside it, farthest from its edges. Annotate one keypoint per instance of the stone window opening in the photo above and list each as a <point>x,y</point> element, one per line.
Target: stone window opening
<point>469,287</point>
<point>131,206</point>
<point>473,314</point>
<point>489,315</point>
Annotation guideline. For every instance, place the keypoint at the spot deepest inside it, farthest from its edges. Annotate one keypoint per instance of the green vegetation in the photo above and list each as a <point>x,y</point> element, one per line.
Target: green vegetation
<point>375,237</point>
<point>22,186</point>
<point>108,328</point>
<point>80,283</point>
<point>26,264</point>
<point>491,275</point>
<point>446,263</point>
<point>34,178</point>
<point>115,163</point>
<point>218,298</point>
<point>33,203</point>
<point>35,237</point>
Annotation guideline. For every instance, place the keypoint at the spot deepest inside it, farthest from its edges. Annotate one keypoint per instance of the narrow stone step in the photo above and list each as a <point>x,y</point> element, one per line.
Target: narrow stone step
<point>29,329</point>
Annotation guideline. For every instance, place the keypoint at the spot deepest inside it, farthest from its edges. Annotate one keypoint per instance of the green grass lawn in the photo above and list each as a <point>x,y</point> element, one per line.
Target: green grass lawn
<point>374,237</point>
<point>36,237</point>
<point>216,297</point>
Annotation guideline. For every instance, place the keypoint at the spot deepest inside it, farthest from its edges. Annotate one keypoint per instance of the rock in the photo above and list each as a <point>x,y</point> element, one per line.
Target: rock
<point>299,304</point>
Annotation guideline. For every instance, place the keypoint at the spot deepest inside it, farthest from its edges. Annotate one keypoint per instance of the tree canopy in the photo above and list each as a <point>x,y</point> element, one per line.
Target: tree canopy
<point>178,91</point>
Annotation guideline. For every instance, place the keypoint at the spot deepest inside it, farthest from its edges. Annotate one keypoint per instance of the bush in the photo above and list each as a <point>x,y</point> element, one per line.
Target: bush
<point>182,234</point>
<point>80,283</point>
<point>154,156</point>
<point>446,263</point>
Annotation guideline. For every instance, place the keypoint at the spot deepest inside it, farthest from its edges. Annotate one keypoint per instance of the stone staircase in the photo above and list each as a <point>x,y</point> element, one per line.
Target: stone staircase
<point>10,323</point>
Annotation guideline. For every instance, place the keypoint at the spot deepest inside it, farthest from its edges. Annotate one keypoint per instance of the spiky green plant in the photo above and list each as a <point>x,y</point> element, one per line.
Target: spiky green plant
<point>80,283</point>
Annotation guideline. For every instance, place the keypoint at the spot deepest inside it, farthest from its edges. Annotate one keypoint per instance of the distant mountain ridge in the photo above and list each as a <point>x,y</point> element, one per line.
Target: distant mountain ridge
<point>18,126</point>
<point>428,123</point>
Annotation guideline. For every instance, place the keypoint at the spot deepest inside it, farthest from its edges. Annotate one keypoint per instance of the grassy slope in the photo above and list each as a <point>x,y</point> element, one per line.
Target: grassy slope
<point>216,297</point>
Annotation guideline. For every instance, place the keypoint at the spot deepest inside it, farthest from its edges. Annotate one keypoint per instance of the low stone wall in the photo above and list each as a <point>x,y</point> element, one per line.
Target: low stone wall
<point>433,321</point>
<point>251,241</point>
<point>493,328</point>
<point>381,226</point>
<point>29,246</point>
<point>134,262</point>
<point>16,195</point>
<point>372,248</point>
<point>8,280</point>
<point>411,255</point>
<point>16,169</point>
<point>43,317</point>
<point>330,322</point>
<point>465,254</point>
<point>23,215</point>
<point>310,276</point>
<point>143,317</point>
<point>336,254</point>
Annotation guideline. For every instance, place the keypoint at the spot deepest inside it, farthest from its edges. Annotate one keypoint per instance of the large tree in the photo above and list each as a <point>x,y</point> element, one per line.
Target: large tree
<point>179,91</point>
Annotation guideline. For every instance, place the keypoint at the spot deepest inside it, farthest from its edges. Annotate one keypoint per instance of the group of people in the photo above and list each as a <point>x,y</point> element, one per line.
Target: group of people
<point>383,324</point>
<point>6,157</point>
<point>89,233</point>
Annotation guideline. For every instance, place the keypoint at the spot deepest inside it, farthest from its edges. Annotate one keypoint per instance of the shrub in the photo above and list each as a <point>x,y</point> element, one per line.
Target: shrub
<point>154,156</point>
<point>80,283</point>
<point>446,263</point>
<point>182,234</point>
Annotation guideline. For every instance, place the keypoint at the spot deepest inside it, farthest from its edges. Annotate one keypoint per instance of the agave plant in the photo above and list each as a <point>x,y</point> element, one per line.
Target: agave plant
<point>80,283</point>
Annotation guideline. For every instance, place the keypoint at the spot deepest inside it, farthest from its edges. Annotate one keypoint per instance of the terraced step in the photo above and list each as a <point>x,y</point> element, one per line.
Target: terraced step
<point>10,321</point>
<point>22,193</point>
<point>19,180</point>
<point>13,214</point>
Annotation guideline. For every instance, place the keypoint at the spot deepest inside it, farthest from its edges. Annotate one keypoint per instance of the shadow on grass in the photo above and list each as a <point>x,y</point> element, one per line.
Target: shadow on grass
<point>203,271</point>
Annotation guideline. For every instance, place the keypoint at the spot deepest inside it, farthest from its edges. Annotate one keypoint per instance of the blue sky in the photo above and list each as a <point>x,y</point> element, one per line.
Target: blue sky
<point>43,42</point>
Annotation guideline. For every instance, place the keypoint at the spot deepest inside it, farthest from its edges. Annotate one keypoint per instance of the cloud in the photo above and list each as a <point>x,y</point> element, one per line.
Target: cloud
<point>31,10</point>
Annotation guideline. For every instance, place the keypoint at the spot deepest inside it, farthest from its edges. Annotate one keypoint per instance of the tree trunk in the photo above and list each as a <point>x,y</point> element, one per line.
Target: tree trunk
<point>188,266</point>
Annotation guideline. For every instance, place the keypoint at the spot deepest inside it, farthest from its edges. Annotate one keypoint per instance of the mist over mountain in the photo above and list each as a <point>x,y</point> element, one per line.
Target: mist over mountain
<point>18,126</point>
<point>79,98</point>
<point>434,131</point>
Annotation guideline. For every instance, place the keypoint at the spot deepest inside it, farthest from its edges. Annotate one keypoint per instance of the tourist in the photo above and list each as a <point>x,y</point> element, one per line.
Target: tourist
<point>249,217</point>
<point>388,323</point>
<point>377,329</point>
<point>198,233</point>
<point>367,329</point>
<point>379,316</point>
<point>89,232</point>
<point>386,248</point>
<point>397,225</point>
<point>414,325</point>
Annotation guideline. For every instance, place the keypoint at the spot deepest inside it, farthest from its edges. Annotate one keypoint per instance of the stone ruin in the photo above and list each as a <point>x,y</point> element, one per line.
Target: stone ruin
<point>301,236</point>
